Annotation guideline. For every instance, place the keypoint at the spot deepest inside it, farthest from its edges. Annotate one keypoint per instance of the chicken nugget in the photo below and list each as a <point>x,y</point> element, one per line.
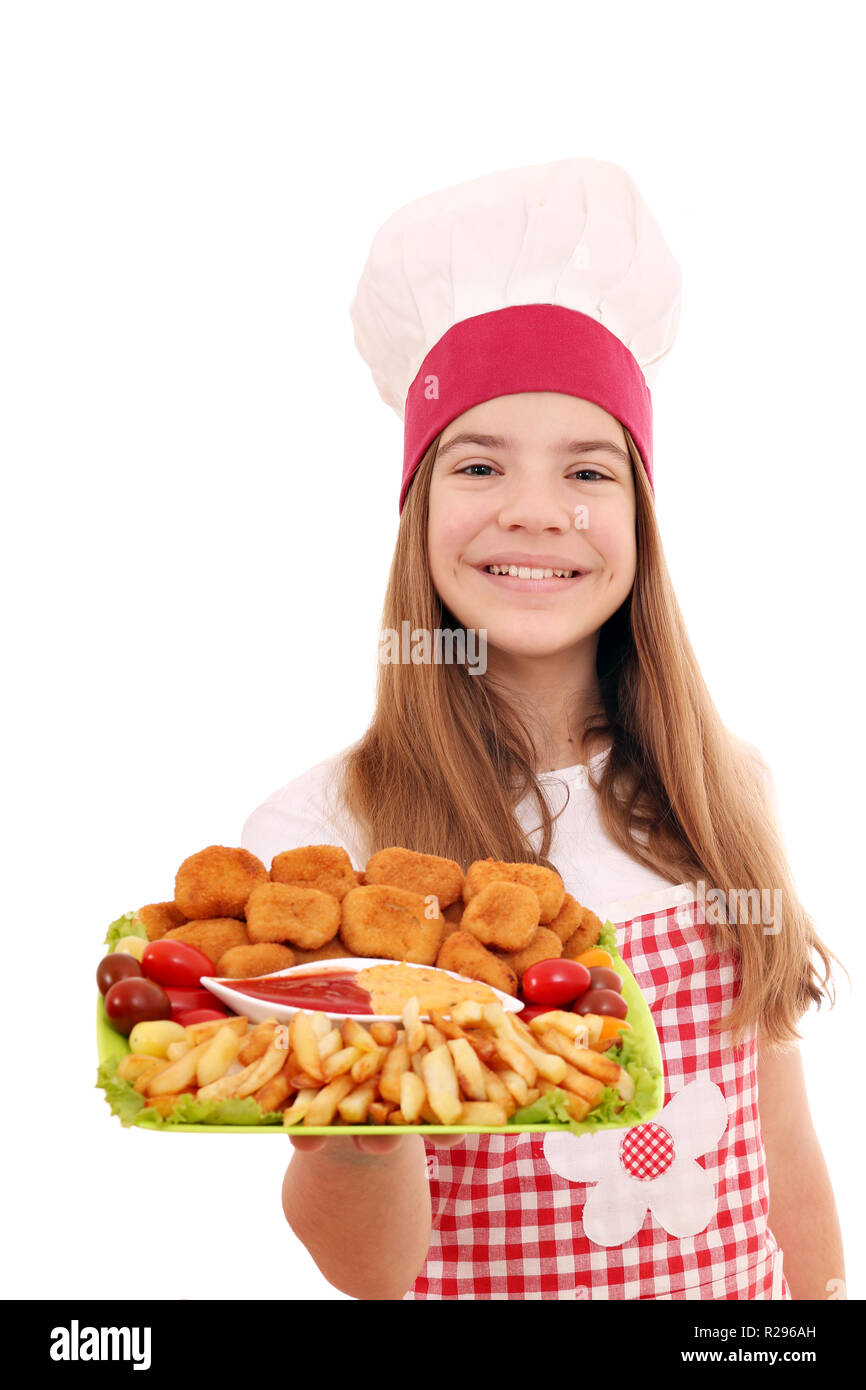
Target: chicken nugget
<point>418,873</point>
<point>464,954</point>
<point>502,914</point>
<point>326,867</point>
<point>393,923</point>
<point>213,935</point>
<point>567,920</point>
<point>547,884</point>
<point>332,950</point>
<point>304,917</point>
<point>158,918</point>
<point>216,882</point>
<point>240,962</point>
<point>545,945</point>
<point>586,935</point>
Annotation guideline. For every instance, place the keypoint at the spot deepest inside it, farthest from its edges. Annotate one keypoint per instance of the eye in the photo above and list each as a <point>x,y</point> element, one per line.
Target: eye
<point>469,466</point>
<point>592,471</point>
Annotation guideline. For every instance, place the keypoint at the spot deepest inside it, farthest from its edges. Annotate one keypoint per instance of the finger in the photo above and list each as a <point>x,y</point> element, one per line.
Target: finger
<point>309,1142</point>
<point>377,1143</point>
<point>445,1141</point>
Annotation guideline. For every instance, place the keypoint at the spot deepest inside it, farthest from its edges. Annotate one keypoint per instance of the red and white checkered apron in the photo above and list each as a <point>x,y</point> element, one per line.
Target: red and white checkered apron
<point>506,1226</point>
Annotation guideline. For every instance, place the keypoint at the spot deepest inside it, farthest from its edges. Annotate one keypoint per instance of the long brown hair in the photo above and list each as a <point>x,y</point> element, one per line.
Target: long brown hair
<point>448,756</point>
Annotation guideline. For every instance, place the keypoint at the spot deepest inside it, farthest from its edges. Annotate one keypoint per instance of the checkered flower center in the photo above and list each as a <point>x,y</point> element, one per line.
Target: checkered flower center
<point>646,1152</point>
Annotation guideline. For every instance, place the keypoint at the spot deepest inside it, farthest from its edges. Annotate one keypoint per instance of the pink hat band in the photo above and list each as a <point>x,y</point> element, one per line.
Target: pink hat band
<point>525,347</point>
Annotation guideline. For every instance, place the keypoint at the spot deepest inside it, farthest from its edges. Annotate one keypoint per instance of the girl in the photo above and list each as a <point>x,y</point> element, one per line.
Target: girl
<point>585,740</point>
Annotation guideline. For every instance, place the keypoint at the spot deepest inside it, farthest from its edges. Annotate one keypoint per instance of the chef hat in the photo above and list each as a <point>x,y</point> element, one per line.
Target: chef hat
<point>552,277</point>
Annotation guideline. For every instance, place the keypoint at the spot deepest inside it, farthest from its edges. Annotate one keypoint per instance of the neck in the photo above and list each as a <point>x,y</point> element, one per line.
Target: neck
<point>554,695</point>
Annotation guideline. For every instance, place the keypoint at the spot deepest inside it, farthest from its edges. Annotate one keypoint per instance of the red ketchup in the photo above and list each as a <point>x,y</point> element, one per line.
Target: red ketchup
<point>327,992</point>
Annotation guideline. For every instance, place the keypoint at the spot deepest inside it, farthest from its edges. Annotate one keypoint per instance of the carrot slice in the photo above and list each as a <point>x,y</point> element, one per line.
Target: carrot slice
<point>594,956</point>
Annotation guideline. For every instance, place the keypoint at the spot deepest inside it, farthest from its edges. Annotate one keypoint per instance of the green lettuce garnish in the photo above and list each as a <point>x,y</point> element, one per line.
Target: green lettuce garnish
<point>127,925</point>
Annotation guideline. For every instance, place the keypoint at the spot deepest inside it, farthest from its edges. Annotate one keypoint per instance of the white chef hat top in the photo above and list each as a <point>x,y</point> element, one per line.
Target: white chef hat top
<point>547,277</point>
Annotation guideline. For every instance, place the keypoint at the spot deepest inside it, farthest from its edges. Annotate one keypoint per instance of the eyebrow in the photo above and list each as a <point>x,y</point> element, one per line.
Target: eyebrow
<point>565,446</point>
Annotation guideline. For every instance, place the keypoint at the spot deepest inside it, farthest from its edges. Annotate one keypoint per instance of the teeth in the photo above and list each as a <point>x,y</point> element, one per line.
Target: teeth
<point>525,572</point>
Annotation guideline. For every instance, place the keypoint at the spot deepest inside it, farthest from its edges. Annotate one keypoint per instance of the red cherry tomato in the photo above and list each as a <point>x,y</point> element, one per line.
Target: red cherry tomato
<point>116,966</point>
<point>601,1001</point>
<point>186,1016</point>
<point>554,982</point>
<point>532,1011</point>
<point>175,963</point>
<point>601,977</point>
<point>135,1000</point>
<point>192,999</point>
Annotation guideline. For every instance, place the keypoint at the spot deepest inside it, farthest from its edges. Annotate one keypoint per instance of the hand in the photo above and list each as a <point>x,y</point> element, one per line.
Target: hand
<point>370,1144</point>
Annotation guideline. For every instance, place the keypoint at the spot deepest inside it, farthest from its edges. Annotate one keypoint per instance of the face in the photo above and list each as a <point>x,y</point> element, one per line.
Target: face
<point>531,534</point>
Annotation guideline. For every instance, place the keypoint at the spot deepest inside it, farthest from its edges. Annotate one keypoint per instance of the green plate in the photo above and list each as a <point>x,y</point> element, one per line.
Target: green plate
<point>646,1068</point>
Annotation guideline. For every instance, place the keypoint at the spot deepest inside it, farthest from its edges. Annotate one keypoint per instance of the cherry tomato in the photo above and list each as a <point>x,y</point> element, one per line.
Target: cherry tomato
<point>135,1000</point>
<point>117,966</point>
<point>601,1001</point>
<point>186,1016</point>
<point>192,999</point>
<point>600,978</point>
<point>532,1011</point>
<point>554,982</point>
<point>176,963</point>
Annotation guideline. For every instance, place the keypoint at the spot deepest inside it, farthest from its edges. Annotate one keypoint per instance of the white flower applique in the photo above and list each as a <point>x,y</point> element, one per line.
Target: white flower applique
<point>650,1166</point>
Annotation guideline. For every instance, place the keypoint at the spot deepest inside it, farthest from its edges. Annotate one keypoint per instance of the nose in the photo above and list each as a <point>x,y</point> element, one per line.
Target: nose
<point>535,503</point>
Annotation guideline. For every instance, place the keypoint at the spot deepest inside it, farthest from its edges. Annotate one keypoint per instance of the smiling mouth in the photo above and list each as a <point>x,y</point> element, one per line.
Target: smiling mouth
<point>530,572</point>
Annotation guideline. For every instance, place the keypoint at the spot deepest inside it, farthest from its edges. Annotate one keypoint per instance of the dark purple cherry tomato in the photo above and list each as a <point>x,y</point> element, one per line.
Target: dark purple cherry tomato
<point>600,977</point>
<point>135,1000</point>
<point>554,982</point>
<point>601,1001</point>
<point>117,966</point>
<point>175,963</point>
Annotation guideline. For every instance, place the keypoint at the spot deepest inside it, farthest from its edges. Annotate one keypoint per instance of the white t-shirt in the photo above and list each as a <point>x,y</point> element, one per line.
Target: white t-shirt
<point>307,811</point>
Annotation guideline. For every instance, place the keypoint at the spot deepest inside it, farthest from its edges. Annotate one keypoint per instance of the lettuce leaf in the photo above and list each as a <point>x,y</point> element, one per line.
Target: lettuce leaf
<point>127,925</point>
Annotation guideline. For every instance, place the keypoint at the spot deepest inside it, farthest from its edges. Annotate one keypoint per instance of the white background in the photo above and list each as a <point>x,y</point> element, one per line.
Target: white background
<point>200,495</point>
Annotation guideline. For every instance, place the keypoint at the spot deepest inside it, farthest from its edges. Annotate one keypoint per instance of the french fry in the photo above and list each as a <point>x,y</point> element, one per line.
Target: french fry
<point>574,1026</point>
<point>412,1097</point>
<point>330,1045</point>
<point>433,1035</point>
<point>219,1053</point>
<point>468,1014</point>
<point>134,1065</point>
<point>197,1032</point>
<point>578,1109</point>
<point>483,1112</point>
<point>339,1062</point>
<point>440,1080</point>
<point>516,1086</point>
<point>595,1026</point>
<point>177,1074</point>
<point>256,1043</point>
<point>594,1064</point>
<point>384,1034</point>
<point>467,1065</point>
<point>516,1059</point>
<point>354,1106</point>
<point>320,1024</point>
<point>181,1045</point>
<point>261,1071</point>
<point>356,1035</point>
<point>324,1107</point>
<point>396,1063</point>
<point>551,1067</point>
<point>579,1084</point>
<point>497,1090</point>
<point>274,1092</point>
<point>447,1027</point>
<point>304,1041</point>
<point>295,1113</point>
<point>164,1104</point>
<point>416,1035</point>
<point>380,1110</point>
<point>368,1064</point>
